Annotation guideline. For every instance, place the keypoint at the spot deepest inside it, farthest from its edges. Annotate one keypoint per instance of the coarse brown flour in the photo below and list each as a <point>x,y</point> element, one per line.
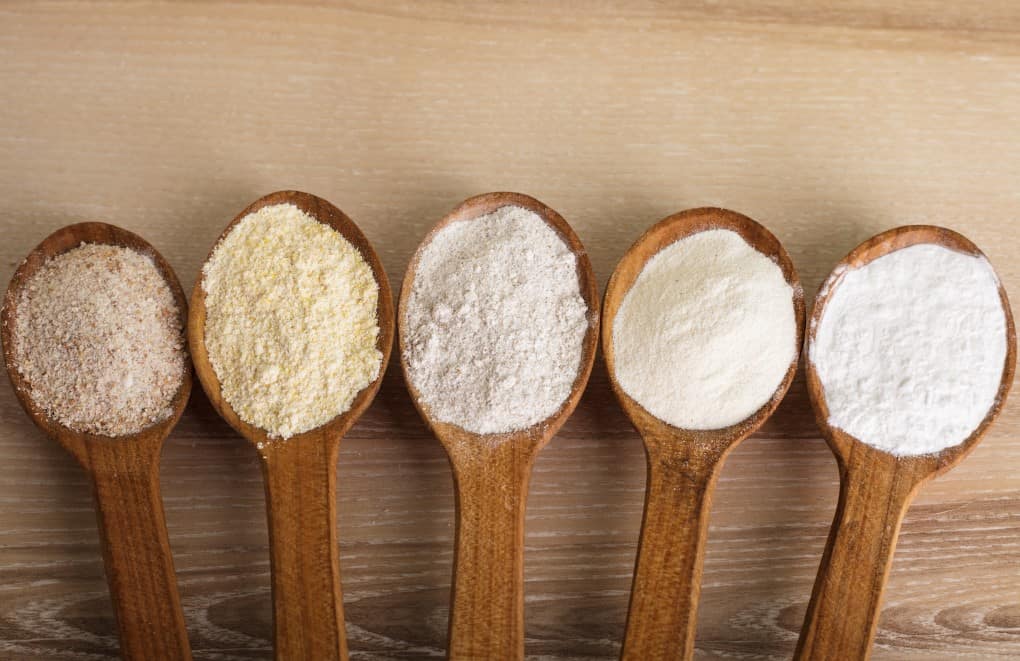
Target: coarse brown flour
<point>706,333</point>
<point>99,340</point>
<point>494,323</point>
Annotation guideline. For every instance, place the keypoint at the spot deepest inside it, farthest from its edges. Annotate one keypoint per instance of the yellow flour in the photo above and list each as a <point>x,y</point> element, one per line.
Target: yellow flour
<point>291,324</point>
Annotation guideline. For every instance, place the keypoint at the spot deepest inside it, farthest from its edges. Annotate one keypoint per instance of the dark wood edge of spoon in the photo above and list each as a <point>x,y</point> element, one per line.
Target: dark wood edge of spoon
<point>61,241</point>
<point>328,214</point>
<point>538,434</point>
<point>664,233</point>
<point>844,445</point>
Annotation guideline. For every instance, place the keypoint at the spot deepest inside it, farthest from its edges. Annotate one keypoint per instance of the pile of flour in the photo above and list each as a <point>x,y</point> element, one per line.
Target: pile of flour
<point>706,333</point>
<point>291,325</point>
<point>910,349</point>
<point>494,323</point>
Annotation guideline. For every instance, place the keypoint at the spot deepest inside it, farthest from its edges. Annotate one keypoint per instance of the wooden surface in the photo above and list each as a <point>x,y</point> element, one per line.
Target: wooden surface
<point>124,471</point>
<point>300,472</point>
<point>826,122</point>
<point>876,488</point>
<point>683,464</point>
<point>492,472</point>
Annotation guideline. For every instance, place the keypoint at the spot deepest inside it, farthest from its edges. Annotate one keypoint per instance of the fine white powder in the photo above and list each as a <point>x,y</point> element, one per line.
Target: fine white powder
<point>494,323</point>
<point>910,349</point>
<point>706,333</point>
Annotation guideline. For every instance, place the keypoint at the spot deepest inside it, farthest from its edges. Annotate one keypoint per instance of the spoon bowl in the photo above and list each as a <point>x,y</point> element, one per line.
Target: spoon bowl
<point>124,471</point>
<point>683,464</point>
<point>876,487</point>
<point>300,471</point>
<point>492,471</point>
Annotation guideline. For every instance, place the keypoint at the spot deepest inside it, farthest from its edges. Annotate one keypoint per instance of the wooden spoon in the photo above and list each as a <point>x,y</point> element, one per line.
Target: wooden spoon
<point>683,464</point>
<point>124,472</point>
<point>300,472</point>
<point>491,474</point>
<point>875,487</point>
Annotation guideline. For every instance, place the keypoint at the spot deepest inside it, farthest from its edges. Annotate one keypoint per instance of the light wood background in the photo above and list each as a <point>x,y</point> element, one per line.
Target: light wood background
<point>826,121</point>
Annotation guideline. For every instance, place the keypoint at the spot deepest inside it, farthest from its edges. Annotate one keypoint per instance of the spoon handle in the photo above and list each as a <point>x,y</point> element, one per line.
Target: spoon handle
<point>487,609</point>
<point>667,577</point>
<point>308,618</point>
<point>875,491</point>
<point>136,549</point>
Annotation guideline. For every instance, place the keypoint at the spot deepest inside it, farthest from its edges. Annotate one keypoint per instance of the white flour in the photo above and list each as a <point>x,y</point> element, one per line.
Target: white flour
<point>494,322</point>
<point>706,333</point>
<point>910,349</point>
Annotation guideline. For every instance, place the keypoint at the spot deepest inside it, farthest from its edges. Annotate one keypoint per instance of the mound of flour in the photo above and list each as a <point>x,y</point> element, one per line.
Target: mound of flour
<point>494,323</point>
<point>910,349</point>
<point>706,333</point>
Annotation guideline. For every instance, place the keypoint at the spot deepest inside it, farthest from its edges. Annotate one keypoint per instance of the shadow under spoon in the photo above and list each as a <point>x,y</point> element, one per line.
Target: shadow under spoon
<point>876,487</point>
<point>300,471</point>
<point>491,473</point>
<point>683,464</point>
<point>124,471</point>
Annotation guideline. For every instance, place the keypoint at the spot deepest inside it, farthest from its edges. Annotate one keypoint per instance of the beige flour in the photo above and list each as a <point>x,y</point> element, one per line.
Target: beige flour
<point>494,325</point>
<point>98,338</point>
<point>706,333</point>
<point>291,324</point>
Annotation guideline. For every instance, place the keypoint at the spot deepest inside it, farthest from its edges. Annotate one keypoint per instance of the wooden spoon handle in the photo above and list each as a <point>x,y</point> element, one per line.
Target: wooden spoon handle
<point>487,609</point>
<point>667,577</point>
<point>136,550</point>
<point>845,604</point>
<point>308,618</point>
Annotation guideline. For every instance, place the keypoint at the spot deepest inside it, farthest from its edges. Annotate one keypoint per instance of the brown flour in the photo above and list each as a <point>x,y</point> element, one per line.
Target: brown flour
<point>97,337</point>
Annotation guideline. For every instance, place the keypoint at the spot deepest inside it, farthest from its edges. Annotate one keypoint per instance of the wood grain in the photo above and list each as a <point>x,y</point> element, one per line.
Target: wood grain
<point>124,470</point>
<point>300,471</point>
<point>491,472</point>
<point>875,487</point>
<point>828,122</point>
<point>683,464</point>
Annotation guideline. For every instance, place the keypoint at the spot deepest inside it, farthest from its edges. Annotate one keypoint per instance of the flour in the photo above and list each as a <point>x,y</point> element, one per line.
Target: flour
<point>494,323</point>
<point>706,333</point>
<point>291,325</point>
<point>910,349</point>
<point>98,339</point>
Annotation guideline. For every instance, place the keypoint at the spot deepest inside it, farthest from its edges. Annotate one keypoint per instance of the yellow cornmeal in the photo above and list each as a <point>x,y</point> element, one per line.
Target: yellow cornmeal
<point>291,324</point>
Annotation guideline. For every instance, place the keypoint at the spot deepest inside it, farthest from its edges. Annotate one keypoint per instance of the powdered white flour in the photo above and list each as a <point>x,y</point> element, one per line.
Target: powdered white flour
<point>910,349</point>
<point>494,322</point>
<point>706,333</point>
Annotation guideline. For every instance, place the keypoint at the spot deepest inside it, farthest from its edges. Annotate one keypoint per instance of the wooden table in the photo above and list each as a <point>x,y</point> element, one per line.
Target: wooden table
<point>828,122</point>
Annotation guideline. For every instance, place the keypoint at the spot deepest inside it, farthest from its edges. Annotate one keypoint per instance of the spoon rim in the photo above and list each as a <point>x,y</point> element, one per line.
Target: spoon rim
<point>333,429</point>
<point>661,235</point>
<point>844,444</point>
<point>468,210</point>
<point>61,241</point>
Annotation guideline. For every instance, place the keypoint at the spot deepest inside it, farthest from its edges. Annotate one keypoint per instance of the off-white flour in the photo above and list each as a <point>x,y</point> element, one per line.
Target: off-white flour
<point>910,349</point>
<point>291,324</point>
<point>494,322</point>
<point>706,333</point>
